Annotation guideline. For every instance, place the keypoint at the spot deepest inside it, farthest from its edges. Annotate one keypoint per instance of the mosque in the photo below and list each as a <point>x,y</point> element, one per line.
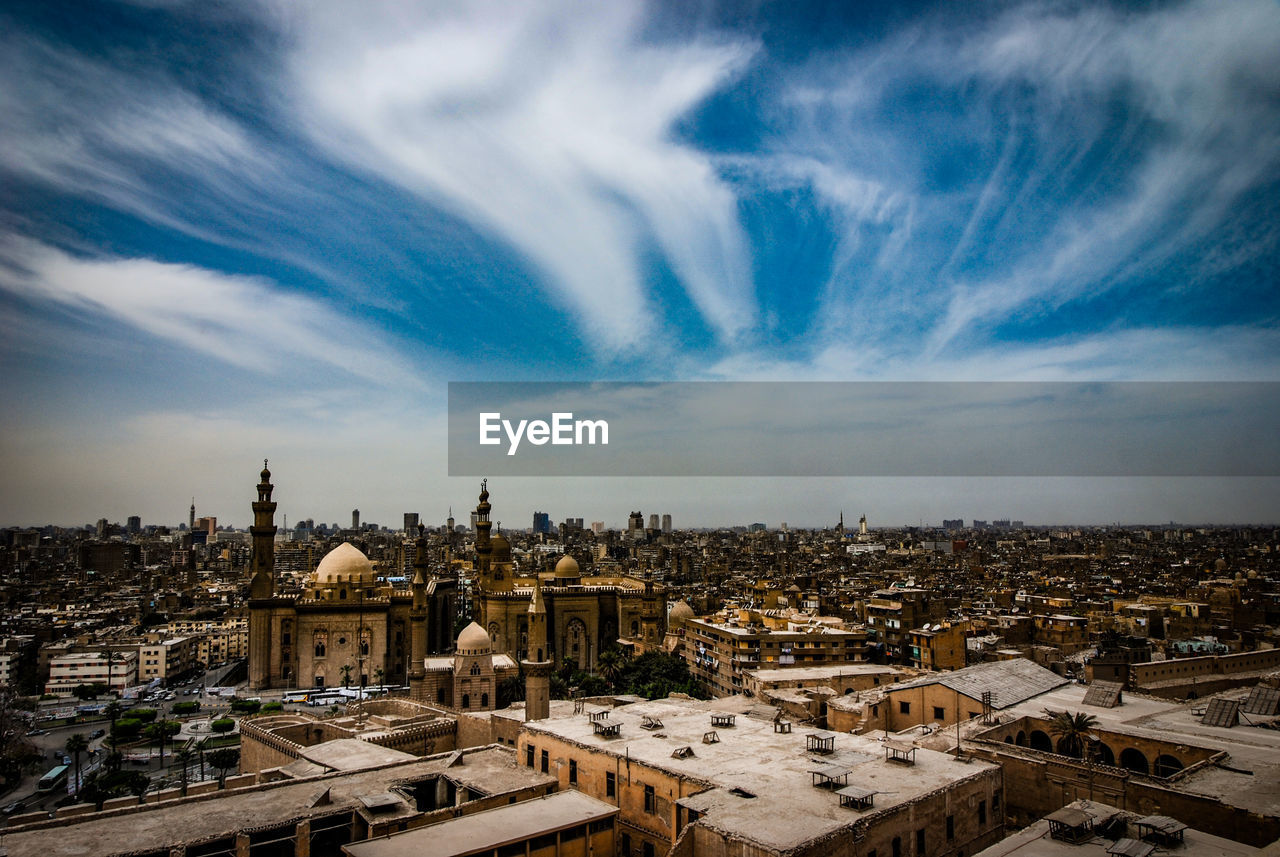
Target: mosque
<point>347,628</point>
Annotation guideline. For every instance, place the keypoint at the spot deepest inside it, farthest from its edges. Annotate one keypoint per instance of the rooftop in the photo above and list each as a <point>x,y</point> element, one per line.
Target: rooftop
<point>1011,681</point>
<point>158,826</point>
<point>1034,841</point>
<point>759,782</point>
<point>489,829</point>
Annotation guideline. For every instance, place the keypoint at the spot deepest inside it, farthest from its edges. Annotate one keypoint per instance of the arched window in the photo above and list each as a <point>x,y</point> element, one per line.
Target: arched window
<point>1105,755</point>
<point>1041,741</point>
<point>320,649</point>
<point>342,595</point>
<point>1021,740</point>
<point>635,629</point>
<point>1134,760</point>
<point>440,695</point>
<point>364,647</point>
<point>475,669</point>
<point>466,700</point>
<point>484,700</point>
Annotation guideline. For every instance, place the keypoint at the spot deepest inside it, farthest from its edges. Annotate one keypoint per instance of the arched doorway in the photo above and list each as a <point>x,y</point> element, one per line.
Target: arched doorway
<point>1021,740</point>
<point>1040,741</point>
<point>1105,755</point>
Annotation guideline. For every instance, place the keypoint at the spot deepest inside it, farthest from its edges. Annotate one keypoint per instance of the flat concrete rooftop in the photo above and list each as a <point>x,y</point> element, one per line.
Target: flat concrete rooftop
<point>224,813</point>
<point>484,831</point>
<point>781,808</point>
<point>1034,841</point>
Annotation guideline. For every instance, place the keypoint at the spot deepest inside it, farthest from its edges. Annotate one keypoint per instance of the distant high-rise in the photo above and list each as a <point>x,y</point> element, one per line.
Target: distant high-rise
<point>449,521</point>
<point>666,523</point>
<point>411,522</point>
<point>355,519</point>
<point>134,523</point>
<point>191,516</point>
<point>953,523</point>
<point>541,522</point>
<point>102,528</point>
<point>597,527</point>
<point>653,521</point>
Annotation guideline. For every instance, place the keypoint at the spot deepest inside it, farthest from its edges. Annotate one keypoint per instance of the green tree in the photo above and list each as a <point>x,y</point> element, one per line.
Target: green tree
<point>510,689</point>
<point>224,759</point>
<point>126,728</point>
<point>222,724</point>
<point>114,710</point>
<point>345,669</point>
<point>16,750</point>
<point>272,706</point>
<point>379,675</point>
<point>246,706</point>
<point>1072,731</point>
<point>75,747</point>
<point>146,715</point>
<point>190,706</point>
<point>89,691</point>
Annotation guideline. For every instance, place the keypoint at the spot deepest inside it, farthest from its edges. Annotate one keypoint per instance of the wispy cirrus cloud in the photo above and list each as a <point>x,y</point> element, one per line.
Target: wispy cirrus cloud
<point>246,322</point>
<point>551,125</point>
<point>1048,153</point>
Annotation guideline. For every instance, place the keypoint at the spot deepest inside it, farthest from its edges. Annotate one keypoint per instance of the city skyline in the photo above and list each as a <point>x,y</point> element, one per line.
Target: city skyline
<point>261,230</point>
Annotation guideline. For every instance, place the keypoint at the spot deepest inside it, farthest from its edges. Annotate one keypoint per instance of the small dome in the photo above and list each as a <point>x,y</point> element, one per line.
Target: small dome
<point>567,567</point>
<point>501,548</point>
<point>474,640</point>
<point>680,611</point>
<point>344,564</point>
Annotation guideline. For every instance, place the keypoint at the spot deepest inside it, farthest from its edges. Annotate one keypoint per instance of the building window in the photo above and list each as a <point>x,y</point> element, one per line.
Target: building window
<point>995,802</point>
<point>920,842</point>
<point>610,783</point>
<point>466,700</point>
<point>938,713</point>
<point>528,756</point>
<point>484,700</point>
<point>319,650</point>
<point>546,761</point>
<point>897,846</point>
<point>982,812</point>
<point>440,695</point>
<point>951,827</point>
<point>650,800</point>
<point>648,848</point>
<point>475,669</point>
<point>573,772</point>
<point>904,708</point>
<point>626,842</point>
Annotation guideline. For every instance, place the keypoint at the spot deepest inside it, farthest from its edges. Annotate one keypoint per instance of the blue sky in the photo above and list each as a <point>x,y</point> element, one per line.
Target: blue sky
<point>277,229</point>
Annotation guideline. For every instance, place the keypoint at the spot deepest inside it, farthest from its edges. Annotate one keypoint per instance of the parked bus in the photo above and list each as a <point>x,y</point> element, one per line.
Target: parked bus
<point>295,696</point>
<point>56,777</point>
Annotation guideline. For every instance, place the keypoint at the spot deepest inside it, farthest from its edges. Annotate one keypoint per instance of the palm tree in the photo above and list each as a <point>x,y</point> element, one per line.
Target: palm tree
<point>77,744</point>
<point>184,757</point>
<point>201,745</point>
<point>609,664</point>
<point>114,709</point>
<point>1072,730</point>
<point>378,675</point>
<point>345,669</point>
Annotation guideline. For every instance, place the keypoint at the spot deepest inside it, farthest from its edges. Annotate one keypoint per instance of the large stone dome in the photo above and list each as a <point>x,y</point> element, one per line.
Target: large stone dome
<point>567,567</point>
<point>501,549</point>
<point>474,640</point>
<point>680,611</point>
<point>345,564</point>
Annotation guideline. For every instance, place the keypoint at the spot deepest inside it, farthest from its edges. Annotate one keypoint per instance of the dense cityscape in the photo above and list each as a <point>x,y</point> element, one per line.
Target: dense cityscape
<point>420,673</point>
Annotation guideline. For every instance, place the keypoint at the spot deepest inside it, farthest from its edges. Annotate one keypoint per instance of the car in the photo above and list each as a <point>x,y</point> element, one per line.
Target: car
<point>35,732</point>
<point>11,808</point>
<point>97,733</point>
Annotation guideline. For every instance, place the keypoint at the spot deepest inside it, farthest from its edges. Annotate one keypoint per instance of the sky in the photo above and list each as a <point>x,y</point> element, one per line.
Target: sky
<point>251,230</point>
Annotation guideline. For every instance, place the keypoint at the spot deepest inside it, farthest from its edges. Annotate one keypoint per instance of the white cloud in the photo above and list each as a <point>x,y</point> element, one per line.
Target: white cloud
<point>551,125</point>
<point>243,321</point>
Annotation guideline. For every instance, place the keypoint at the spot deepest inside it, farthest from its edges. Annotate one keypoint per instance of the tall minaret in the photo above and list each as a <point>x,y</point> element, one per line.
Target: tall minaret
<point>537,660</point>
<point>418,618</point>
<point>262,566</point>
<point>262,585</point>
<point>484,548</point>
